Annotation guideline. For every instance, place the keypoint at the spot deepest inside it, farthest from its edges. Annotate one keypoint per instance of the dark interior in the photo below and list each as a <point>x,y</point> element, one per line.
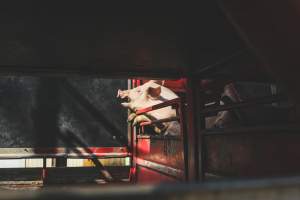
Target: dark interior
<point>56,58</point>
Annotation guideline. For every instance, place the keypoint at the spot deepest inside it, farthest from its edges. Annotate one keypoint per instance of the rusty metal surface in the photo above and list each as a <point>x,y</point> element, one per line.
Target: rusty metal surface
<point>253,155</point>
<point>162,151</point>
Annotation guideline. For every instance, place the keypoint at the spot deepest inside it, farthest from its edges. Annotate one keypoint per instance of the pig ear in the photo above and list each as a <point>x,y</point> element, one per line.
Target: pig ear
<point>154,92</point>
<point>159,82</point>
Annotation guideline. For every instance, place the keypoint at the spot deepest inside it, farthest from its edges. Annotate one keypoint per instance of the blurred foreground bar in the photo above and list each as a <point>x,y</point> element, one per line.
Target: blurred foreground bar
<point>275,189</point>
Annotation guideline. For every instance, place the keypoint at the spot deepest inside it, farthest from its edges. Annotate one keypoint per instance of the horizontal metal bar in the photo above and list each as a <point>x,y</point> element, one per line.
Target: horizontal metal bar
<point>79,152</point>
<point>159,137</point>
<point>274,129</point>
<point>158,106</point>
<point>170,119</point>
<point>35,183</point>
<point>250,102</point>
<point>65,155</point>
<point>177,173</point>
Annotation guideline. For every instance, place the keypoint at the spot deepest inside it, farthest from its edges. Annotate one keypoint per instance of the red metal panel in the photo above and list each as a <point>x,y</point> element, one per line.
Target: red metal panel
<point>148,176</point>
<point>178,85</point>
<point>163,151</point>
<point>143,146</point>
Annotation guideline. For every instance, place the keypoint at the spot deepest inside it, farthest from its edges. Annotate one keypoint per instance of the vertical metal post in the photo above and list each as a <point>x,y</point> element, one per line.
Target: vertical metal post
<point>129,128</point>
<point>181,113</point>
<point>61,162</point>
<point>201,126</point>
<point>193,139</point>
<point>132,133</point>
<point>44,170</point>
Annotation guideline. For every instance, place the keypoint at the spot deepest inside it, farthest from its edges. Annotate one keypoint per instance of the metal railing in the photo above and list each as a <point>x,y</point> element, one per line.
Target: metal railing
<point>163,168</point>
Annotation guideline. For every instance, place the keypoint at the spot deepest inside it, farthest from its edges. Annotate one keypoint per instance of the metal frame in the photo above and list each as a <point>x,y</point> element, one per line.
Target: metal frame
<point>76,152</point>
<point>250,102</point>
<point>166,170</point>
<point>196,111</point>
<point>133,133</point>
<point>245,130</point>
<point>169,171</point>
<point>277,129</point>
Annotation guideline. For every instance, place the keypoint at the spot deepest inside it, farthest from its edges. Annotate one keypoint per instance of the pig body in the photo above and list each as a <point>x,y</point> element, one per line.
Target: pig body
<point>147,95</point>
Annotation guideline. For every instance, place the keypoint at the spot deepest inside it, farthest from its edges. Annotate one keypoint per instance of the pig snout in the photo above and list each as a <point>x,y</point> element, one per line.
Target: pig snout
<point>119,93</point>
<point>122,94</point>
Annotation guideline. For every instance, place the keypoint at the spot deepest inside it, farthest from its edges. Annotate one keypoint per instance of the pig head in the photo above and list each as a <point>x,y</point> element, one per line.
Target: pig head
<point>146,95</point>
<point>226,118</point>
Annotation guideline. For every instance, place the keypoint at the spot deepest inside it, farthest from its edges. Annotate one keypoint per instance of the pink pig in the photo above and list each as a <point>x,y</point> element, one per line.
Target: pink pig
<point>146,95</point>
